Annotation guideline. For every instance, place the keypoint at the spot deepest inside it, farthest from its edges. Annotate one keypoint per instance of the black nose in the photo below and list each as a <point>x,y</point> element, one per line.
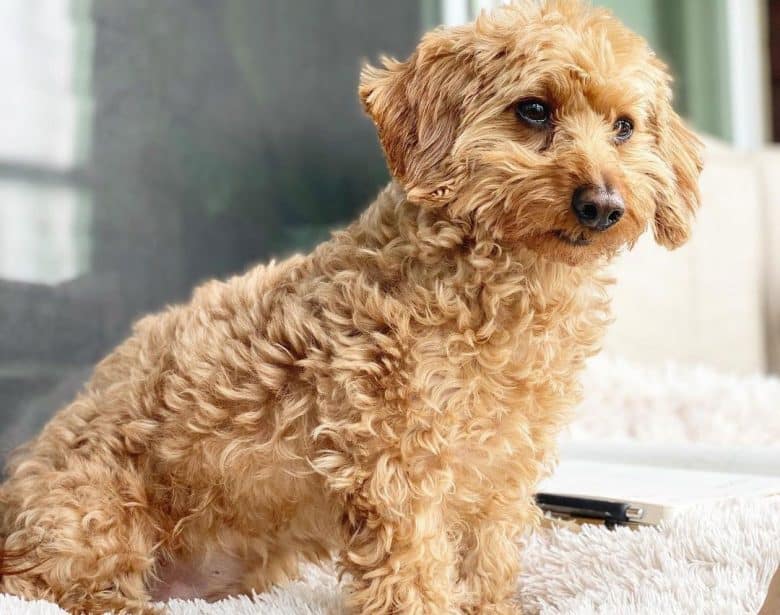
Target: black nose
<point>597,207</point>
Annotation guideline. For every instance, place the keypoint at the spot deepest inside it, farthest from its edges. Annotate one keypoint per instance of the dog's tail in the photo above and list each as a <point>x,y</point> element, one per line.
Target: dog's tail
<point>13,562</point>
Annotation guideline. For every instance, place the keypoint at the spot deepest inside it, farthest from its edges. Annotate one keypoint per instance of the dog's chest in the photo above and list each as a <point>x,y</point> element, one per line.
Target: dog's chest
<point>500,399</point>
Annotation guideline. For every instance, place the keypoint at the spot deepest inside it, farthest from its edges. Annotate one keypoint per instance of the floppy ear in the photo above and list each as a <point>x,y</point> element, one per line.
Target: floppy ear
<point>417,107</point>
<point>678,199</point>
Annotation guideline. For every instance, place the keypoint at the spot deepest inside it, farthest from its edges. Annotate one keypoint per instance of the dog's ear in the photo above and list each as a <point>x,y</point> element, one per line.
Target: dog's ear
<point>678,195</point>
<point>417,107</point>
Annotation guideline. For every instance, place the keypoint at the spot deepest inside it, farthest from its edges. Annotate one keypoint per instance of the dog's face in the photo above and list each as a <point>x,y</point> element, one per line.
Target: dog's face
<point>548,125</point>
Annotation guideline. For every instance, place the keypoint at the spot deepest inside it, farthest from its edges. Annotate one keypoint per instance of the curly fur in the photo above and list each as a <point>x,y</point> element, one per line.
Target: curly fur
<point>392,397</point>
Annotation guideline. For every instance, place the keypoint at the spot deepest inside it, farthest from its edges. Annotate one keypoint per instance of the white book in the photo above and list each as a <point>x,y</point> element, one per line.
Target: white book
<point>644,484</point>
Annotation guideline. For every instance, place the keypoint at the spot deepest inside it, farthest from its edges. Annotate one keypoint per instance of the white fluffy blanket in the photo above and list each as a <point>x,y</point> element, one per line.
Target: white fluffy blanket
<point>715,561</point>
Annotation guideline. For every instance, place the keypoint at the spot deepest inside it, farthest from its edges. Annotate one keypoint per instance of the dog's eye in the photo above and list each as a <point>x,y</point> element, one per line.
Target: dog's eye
<point>624,128</point>
<point>533,112</point>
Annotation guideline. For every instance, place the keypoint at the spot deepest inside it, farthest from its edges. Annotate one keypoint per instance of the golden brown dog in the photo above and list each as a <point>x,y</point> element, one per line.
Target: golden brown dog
<point>392,397</point>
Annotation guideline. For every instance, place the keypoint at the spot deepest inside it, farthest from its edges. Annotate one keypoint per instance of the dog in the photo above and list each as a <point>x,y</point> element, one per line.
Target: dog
<point>394,396</point>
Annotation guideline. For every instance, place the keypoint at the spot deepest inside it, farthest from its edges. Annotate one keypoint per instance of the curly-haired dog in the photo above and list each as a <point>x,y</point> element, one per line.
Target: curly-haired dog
<point>392,397</point>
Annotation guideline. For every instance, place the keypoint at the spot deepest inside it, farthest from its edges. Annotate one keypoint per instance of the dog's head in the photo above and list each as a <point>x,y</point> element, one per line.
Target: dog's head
<point>549,125</point>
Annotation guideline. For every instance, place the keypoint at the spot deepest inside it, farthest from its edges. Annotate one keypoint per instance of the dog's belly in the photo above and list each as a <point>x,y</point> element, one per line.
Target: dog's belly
<point>215,576</point>
<point>261,546</point>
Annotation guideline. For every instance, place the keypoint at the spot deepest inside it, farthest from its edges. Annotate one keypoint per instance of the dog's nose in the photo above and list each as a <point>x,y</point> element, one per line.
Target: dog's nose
<point>597,207</point>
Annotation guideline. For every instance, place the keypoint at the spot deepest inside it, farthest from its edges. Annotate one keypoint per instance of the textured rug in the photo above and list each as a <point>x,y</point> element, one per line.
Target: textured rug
<point>714,560</point>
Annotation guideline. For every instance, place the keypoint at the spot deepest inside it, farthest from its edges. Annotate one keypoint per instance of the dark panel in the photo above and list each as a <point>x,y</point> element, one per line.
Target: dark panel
<point>774,60</point>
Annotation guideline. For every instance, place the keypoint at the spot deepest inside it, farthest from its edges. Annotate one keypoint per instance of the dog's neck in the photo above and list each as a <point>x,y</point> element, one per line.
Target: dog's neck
<point>423,248</point>
<point>442,244</point>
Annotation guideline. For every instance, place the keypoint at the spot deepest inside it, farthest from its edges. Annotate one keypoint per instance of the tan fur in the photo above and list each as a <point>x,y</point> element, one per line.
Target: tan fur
<point>394,396</point>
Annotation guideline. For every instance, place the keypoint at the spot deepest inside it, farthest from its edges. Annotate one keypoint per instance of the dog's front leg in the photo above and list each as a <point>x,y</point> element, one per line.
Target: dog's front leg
<point>490,562</point>
<point>398,552</point>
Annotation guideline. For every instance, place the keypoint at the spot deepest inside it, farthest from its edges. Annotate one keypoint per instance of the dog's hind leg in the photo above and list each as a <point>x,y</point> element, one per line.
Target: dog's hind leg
<point>81,536</point>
